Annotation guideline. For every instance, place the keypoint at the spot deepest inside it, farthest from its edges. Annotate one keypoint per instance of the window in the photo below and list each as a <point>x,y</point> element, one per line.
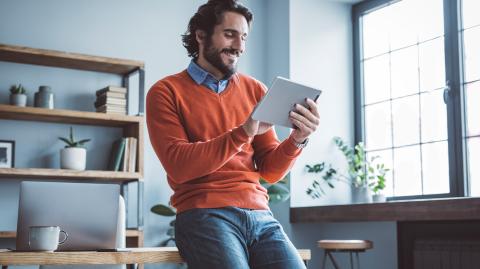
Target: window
<point>415,107</point>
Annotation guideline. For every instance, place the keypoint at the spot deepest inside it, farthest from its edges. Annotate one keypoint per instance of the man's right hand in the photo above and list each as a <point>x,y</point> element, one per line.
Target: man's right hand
<point>254,127</point>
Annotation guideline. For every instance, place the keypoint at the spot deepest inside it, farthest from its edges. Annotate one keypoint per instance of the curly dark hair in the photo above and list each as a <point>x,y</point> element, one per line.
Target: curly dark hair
<point>207,17</point>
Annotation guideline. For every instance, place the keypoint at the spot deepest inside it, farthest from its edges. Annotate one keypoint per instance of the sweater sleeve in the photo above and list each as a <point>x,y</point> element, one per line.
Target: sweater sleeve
<point>274,159</point>
<point>183,160</point>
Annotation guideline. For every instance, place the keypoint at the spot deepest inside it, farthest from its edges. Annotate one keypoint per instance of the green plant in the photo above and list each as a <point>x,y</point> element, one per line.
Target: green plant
<point>17,89</point>
<point>378,182</point>
<point>71,143</point>
<point>277,192</point>
<point>361,171</point>
<point>167,211</point>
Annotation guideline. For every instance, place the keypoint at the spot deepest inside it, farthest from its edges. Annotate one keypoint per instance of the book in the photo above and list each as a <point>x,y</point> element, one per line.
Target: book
<point>132,158</point>
<point>126,152</point>
<point>112,94</point>
<point>110,101</point>
<point>112,108</point>
<point>116,155</point>
<point>111,89</point>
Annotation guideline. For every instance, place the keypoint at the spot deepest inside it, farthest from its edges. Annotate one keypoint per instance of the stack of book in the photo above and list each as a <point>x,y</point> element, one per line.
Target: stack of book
<point>123,156</point>
<point>112,100</point>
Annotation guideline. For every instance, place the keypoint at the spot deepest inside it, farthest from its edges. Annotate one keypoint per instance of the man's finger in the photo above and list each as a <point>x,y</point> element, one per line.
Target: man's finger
<point>313,107</point>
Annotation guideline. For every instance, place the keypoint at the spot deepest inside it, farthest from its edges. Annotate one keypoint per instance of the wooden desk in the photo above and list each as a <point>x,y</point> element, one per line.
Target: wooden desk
<point>135,256</point>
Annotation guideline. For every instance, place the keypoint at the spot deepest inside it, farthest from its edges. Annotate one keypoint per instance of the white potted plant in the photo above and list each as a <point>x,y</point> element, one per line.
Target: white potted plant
<point>18,95</point>
<point>74,155</point>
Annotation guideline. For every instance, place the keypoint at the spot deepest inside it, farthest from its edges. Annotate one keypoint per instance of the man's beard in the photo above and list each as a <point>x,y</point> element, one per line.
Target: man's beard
<point>213,56</point>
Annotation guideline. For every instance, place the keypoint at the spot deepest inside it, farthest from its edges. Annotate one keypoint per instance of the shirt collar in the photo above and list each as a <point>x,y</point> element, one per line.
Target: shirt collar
<point>197,73</point>
<point>200,75</point>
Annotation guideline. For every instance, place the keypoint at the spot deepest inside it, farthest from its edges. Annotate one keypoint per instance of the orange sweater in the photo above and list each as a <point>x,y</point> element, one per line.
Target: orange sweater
<point>209,159</point>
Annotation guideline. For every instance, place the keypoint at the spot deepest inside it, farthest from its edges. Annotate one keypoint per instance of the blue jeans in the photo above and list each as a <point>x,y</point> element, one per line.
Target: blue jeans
<point>231,238</point>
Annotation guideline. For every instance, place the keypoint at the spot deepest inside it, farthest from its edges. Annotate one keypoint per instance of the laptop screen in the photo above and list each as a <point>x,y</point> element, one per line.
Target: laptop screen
<point>88,212</point>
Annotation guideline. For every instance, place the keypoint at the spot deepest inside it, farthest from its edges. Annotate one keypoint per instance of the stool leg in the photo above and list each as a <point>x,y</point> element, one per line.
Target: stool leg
<point>324,259</point>
<point>351,260</point>
<point>333,260</point>
<point>358,261</point>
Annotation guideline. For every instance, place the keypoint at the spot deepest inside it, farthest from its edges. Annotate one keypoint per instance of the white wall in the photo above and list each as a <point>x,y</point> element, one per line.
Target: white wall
<point>321,55</point>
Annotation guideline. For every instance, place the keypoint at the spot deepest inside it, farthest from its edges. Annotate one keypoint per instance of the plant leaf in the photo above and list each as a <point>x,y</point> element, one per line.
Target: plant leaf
<point>278,193</point>
<point>163,210</point>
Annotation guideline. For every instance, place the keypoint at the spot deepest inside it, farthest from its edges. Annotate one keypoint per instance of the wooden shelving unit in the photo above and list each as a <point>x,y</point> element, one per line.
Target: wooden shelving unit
<point>131,125</point>
<point>45,173</point>
<point>18,54</point>
<point>130,234</point>
<point>66,116</point>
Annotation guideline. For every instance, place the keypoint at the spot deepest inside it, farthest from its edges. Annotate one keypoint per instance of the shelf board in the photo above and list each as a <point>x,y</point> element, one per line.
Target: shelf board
<point>44,173</point>
<point>13,234</point>
<point>8,234</point>
<point>134,233</point>
<point>66,116</point>
<point>18,54</point>
<point>459,208</point>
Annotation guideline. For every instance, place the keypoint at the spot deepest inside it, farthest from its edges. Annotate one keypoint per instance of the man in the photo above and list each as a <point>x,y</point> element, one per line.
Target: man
<point>214,153</point>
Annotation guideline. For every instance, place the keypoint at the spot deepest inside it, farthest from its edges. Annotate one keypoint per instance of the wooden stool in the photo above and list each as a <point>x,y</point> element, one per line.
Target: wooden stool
<point>350,246</point>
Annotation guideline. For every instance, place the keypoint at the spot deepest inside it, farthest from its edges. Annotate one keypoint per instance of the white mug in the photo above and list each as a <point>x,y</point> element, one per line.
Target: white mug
<point>45,238</point>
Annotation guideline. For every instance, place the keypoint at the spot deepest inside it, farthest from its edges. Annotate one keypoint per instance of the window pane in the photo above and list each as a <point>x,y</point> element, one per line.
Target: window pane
<point>406,125</point>
<point>404,31</point>
<point>385,157</point>
<point>432,65</point>
<point>430,26</point>
<point>404,64</point>
<point>434,116</point>
<point>474,168</point>
<point>472,97</point>
<point>378,126</point>
<point>470,13</point>
<point>472,54</point>
<point>435,168</point>
<point>407,176</point>
<point>377,79</point>
<point>376,32</point>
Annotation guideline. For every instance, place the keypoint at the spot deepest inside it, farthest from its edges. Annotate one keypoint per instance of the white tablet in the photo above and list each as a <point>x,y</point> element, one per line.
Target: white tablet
<point>275,106</point>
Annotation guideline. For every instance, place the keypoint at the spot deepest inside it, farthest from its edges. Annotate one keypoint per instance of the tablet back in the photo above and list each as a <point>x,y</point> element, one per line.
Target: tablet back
<point>275,106</point>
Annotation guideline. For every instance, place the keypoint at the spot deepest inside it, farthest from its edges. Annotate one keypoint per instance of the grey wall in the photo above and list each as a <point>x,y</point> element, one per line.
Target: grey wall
<point>307,40</point>
<point>145,30</point>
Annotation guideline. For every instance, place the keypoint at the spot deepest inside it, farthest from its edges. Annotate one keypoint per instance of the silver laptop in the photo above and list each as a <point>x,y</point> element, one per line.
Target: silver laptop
<point>88,212</point>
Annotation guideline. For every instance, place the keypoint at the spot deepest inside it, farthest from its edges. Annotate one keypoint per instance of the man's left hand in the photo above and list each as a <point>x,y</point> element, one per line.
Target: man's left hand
<point>306,120</point>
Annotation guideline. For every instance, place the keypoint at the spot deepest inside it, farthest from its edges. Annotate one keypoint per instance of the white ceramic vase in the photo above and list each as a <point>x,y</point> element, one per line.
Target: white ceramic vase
<point>18,99</point>
<point>361,195</point>
<point>73,158</point>
<point>379,198</point>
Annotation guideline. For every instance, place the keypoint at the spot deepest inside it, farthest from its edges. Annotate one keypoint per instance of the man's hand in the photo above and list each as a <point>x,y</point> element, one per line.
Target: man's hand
<point>254,127</point>
<point>305,120</point>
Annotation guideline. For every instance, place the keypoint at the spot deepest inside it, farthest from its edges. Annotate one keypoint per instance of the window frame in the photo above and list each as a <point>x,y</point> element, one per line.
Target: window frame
<point>456,122</point>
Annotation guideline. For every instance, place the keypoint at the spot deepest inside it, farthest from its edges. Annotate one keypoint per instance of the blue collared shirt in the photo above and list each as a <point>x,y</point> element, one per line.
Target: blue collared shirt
<point>202,77</point>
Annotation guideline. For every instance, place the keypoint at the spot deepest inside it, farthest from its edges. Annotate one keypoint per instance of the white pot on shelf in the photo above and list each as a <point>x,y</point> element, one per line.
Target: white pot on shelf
<point>73,158</point>
<point>18,99</point>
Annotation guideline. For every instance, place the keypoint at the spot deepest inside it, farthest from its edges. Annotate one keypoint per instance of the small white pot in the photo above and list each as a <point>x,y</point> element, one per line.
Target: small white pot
<point>379,198</point>
<point>18,99</point>
<point>361,195</point>
<point>73,158</point>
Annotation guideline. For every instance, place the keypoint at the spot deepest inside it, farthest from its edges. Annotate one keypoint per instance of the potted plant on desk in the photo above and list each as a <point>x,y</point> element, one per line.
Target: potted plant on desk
<point>18,95</point>
<point>74,155</point>
<point>378,183</point>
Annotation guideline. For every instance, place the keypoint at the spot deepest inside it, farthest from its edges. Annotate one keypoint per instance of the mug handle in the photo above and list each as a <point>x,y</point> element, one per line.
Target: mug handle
<point>65,239</point>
